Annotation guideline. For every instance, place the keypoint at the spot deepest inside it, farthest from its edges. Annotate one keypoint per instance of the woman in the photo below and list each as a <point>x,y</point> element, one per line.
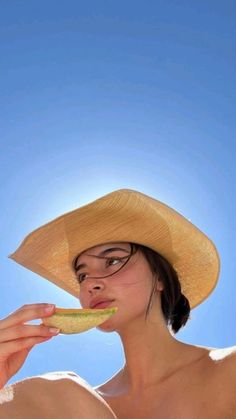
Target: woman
<point>133,252</point>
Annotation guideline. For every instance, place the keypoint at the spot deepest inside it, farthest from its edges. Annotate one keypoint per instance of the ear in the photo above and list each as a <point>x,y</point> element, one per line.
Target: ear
<point>158,284</point>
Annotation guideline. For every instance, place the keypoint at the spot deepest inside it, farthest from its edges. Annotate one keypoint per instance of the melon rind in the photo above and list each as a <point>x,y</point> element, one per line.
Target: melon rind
<point>79,320</point>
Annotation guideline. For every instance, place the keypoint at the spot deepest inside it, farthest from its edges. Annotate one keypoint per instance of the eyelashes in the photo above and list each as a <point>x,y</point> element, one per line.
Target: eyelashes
<point>109,263</point>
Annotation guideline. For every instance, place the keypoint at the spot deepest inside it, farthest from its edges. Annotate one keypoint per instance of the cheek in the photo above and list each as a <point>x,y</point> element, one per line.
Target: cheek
<point>129,285</point>
<point>82,299</point>
<point>135,284</point>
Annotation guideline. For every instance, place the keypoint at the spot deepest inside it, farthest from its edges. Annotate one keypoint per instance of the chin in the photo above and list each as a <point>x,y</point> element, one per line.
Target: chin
<point>106,327</point>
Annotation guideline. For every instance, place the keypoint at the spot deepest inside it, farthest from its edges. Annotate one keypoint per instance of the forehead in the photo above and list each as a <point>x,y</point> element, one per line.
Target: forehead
<point>99,248</point>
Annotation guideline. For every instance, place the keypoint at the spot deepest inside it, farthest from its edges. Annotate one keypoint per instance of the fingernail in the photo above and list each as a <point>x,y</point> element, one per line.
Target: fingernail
<point>54,330</point>
<point>49,308</point>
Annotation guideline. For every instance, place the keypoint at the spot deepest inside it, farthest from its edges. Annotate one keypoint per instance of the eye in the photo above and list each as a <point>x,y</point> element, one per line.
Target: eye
<point>114,260</point>
<point>81,277</point>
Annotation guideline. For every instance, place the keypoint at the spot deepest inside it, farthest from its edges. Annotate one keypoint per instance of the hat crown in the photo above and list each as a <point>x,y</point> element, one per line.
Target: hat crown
<point>122,215</point>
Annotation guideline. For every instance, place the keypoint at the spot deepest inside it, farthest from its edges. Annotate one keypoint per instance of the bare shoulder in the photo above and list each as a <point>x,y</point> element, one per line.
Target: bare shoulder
<point>25,389</point>
<point>22,398</point>
<point>225,359</point>
<point>50,381</point>
<point>224,377</point>
<point>62,377</point>
<point>60,392</point>
<point>68,378</point>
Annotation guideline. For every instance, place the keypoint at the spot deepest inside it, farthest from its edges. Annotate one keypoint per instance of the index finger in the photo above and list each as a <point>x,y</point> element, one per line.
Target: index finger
<point>26,313</point>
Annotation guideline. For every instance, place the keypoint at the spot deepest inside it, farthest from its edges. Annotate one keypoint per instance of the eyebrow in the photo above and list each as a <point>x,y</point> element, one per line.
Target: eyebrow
<point>104,252</point>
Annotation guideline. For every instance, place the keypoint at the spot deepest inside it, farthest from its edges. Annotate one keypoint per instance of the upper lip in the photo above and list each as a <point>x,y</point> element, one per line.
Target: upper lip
<point>96,301</point>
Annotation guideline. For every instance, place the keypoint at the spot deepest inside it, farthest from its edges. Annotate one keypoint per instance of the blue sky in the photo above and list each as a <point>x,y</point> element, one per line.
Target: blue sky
<point>101,96</point>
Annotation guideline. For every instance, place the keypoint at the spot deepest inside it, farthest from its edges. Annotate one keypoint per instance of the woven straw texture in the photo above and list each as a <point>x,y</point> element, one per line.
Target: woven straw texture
<point>129,216</point>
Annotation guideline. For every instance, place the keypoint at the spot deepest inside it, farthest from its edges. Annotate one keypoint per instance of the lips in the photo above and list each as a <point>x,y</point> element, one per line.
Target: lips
<point>100,303</point>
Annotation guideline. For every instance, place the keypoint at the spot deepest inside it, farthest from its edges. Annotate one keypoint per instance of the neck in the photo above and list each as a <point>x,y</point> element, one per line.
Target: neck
<point>151,353</point>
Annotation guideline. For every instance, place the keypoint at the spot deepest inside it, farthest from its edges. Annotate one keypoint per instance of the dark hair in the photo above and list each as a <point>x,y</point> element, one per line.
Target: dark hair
<point>175,306</point>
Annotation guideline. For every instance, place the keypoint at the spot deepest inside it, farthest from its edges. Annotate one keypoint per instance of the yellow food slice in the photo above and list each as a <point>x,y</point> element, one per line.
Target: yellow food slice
<point>70,320</point>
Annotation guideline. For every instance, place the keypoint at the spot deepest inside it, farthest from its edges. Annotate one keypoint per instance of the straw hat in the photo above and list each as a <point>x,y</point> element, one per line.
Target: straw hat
<point>129,216</point>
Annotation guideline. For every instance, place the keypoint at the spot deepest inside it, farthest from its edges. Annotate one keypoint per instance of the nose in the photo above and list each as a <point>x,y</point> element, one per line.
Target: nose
<point>95,284</point>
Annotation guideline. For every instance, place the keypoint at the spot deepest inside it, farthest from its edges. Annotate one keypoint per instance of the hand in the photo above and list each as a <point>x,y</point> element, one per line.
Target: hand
<point>18,338</point>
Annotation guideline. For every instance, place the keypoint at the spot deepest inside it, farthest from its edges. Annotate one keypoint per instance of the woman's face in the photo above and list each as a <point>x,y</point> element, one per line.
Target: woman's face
<point>129,289</point>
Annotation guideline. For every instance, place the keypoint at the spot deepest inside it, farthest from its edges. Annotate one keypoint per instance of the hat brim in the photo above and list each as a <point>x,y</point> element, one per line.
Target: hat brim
<point>125,216</point>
